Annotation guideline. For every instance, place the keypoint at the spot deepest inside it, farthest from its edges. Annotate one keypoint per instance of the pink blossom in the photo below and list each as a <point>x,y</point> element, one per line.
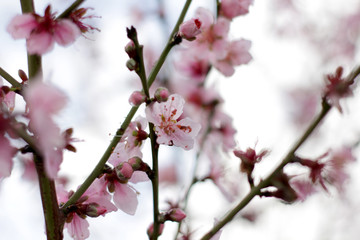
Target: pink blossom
<point>234,8</point>
<point>44,101</point>
<point>42,32</point>
<point>125,198</point>
<point>93,203</point>
<point>169,130</point>
<point>192,66</point>
<point>337,88</point>
<point>223,131</point>
<point>212,41</point>
<point>237,54</point>
<point>303,189</point>
<point>78,228</point>
<point>190,29</point>
<point>7,152</point>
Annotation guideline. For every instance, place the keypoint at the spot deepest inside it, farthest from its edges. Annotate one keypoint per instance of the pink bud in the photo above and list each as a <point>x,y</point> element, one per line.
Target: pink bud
<point>124,171</point>
<point>161,94</point>
<point>137,98</point>
<point>190,29</point>
<point>130,49</point>
<point>150,230</point>
<point>176,215</point>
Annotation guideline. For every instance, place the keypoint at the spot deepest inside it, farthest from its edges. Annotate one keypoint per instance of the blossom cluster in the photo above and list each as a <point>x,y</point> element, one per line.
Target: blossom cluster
<point>186,112</point>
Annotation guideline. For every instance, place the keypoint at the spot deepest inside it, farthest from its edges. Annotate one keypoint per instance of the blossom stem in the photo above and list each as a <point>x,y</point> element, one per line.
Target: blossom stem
<point>99,167</point>
<point>10,79</point>
<point>288,158</point>
<point>155,181</point>
<point>72,7</point>
<point>53,217</point>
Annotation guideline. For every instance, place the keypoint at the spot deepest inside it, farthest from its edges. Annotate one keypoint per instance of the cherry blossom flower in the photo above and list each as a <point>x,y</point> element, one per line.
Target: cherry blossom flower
<point>93,203</point>
<point>337,88</point>
<point>190,29</point>
<point>42,32</point>
<point>44,101</point>
<point>234,8</point>
<point>7,152</point>
<point>237,54</point>
<point>169,129</point>
<point>211,43</point>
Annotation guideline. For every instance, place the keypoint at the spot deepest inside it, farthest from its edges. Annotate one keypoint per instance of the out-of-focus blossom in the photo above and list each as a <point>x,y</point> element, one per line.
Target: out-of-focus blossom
<point>234,8</point>
<point>190,29</point>
<point>175,215</point>
<point>337,88</point>
<point>303,104</point>
<point>42,32</point>
<point>78,17</point>
<point>7,152</point>
<point>249,158</point>
<point>169,129</point>
<point>7,98</point>
<point>211,43</point>
<point>44,101</point>
<point>237,54</point>
<point>303,189</point>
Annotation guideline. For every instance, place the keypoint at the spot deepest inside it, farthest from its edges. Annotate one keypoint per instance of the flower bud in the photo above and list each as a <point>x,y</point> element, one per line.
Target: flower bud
<point>161,94</point>
<point>124,171</point>
<point>150,230</point>
<point>131,64</point>
<point>190,29</point>
<point>135,163</point>
<point>137,98</point>
<point>130,49</point>
<point>175,215</point>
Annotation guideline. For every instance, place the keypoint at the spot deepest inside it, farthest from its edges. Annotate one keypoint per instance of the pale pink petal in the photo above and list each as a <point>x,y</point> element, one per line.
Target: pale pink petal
<point>44,101</point>
<point>9,100</point>
<point>234,8</point>
<point>40,43</point>
<point>125,198</point>
<point>66,32</point>
<point>205,16</point>
<point>21,26</point>
<point>225,68</point>
<point>7,152</point>
<point>78,228</point>
<point>139,176</point>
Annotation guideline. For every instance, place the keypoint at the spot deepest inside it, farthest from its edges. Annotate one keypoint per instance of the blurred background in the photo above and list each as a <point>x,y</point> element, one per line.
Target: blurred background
<point>294,44</point>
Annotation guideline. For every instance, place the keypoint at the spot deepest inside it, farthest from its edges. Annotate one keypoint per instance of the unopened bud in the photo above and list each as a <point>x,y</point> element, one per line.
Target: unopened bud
<point>161,94</point>
<point>190,29</point>
<point>175,215</point>
<point>131,64</point>
<point>130,49</point>
<point>124,171</point>
<point>150,230</point>
<point>23,75</point>
<point>135,163</point>
<point>137,98</point>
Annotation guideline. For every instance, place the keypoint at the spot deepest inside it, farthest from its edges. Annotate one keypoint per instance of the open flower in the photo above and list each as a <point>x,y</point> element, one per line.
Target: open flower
<point>44,101</point>
<point>169,129</point>
<point>42,32</point>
